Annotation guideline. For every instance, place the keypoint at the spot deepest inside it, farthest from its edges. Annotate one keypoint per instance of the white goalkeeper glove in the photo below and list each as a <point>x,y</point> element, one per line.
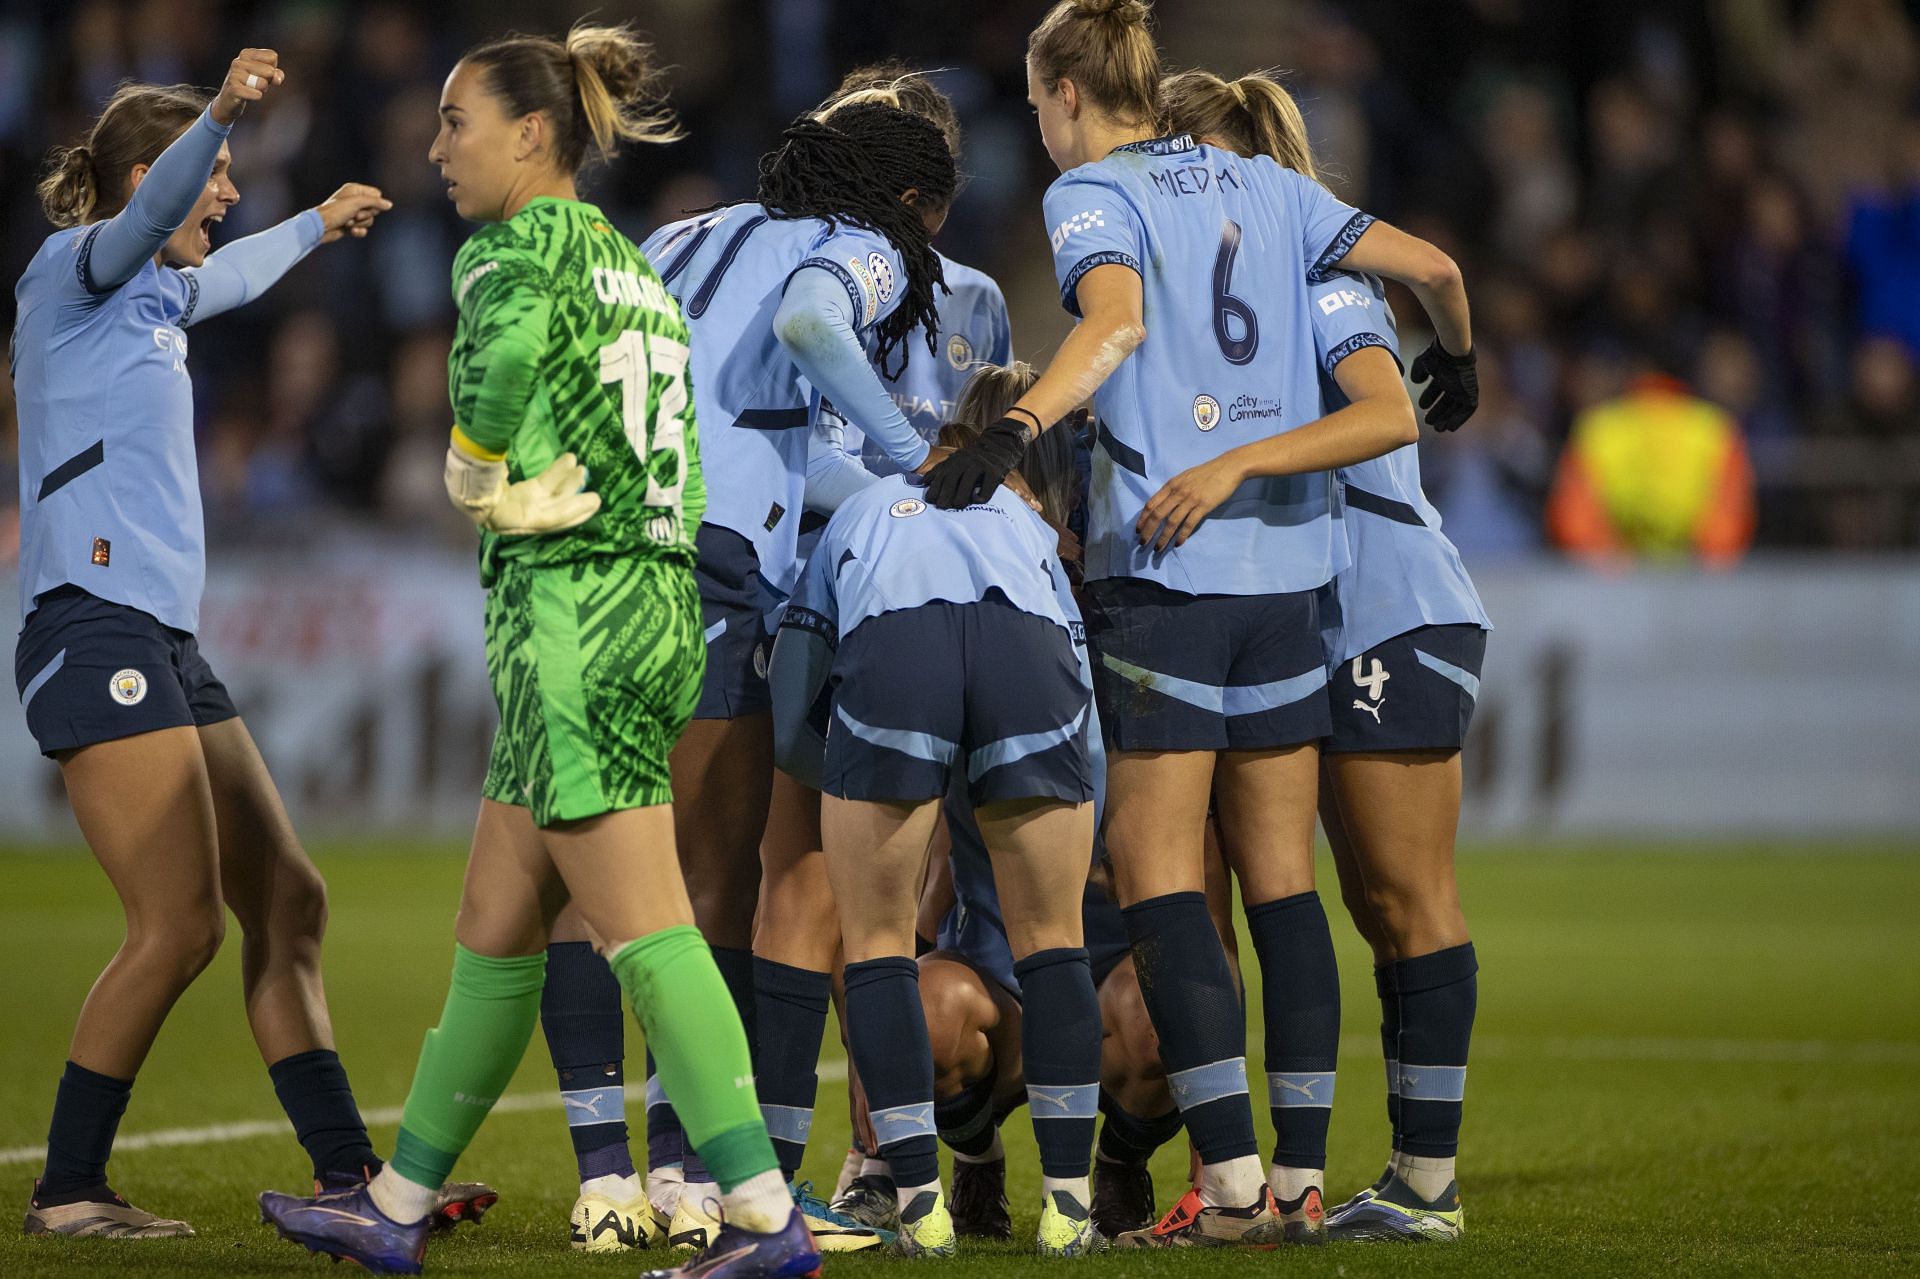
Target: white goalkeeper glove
<point>554,500</point>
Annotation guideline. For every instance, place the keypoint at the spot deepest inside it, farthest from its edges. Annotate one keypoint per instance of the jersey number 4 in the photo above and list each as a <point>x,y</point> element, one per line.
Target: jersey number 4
<point>1238,350</point>
<point>647,366</point>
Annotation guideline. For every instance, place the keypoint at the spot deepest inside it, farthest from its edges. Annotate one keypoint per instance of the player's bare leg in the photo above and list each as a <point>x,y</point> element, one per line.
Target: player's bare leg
<point>796,941</point>
<point>144,806</point>
<point>876,857</point>
<point>1138,1104</point>
<point>1394,816</point>
<point>1266,803</point>
<point>1156,813</point>
<point>280,901</point>
<point>1041,885</point>
<point>973,1025</point>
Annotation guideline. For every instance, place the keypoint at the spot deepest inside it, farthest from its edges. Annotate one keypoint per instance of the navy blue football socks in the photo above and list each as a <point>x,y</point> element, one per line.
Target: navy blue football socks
<point>1436,994</point>
<point>791,1006</point>
<point>586,1037</point>
<point>1189,993</point>
<point>86,1113</point>
<point>1300,995</point>
<point>1060,1045</point>
<point>1127,1138</point>
<point>887,1035</point>
<point>313,1089</point>
<point>966,1121</point>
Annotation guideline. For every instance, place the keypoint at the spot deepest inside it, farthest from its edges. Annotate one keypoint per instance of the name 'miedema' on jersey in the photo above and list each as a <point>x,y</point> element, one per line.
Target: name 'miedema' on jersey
<point>1195,179</point>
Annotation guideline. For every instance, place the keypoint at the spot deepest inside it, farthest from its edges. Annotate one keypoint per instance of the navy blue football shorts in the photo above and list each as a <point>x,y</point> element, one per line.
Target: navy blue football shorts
<point>985,684</point>
<point>1415,692</point>
<point>89,670</point>
<point>734,602</point>
<point>1180,672</point>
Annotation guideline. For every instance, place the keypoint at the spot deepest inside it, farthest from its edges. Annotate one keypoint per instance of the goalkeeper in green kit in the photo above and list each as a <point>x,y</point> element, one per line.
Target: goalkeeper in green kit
<point>570,366</point>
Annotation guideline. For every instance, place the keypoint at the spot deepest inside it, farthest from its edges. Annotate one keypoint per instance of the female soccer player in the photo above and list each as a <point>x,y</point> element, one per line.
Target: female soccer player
<point>570,358</point>
<point>1209,672</point>
<point>1408,646</point>
<point>164,778</point>
<point>796,931</point>
<point>784,294</point>
<point>783,981</point>
<point>894,593</point>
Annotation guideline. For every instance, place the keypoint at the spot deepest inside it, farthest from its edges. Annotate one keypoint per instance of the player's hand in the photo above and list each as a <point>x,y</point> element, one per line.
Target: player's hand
<point>1170,518</point>
<point>351,211</point>
<point>975,473</point>
<point>1453,387</point>
<point>937,454</point>
<point>253,73</point>
<point>550,502</point>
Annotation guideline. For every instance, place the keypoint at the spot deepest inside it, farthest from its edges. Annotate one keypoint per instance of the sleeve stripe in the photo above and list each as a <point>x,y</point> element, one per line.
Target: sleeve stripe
<point>806,619</point>
<point>1069,290</point>
<point>1358,342</point>
<point>84,264</point>
<point>852,286</point>
<point>1338,247</point>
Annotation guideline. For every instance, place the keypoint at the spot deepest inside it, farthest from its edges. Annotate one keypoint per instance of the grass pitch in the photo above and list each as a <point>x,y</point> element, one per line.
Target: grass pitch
<point>1691,1061</point>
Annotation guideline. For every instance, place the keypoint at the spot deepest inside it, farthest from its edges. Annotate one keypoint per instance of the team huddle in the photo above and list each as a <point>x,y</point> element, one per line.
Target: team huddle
<point>843,660</point>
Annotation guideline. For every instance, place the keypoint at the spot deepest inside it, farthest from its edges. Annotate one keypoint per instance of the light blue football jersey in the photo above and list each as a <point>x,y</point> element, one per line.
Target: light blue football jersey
<point>887,548</point>
<point>974,330</point>
<point>1225,247</point>
<point>1404,572</point>
<point>729,270</point>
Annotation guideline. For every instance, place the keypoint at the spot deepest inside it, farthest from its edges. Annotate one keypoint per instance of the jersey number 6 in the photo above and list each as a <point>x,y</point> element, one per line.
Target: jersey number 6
<point>639,362</point>
<point>1226,306</point>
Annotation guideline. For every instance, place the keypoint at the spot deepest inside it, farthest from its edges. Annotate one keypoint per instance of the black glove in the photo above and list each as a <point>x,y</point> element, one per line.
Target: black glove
<point>1453,388</point>
<point>974,473</point>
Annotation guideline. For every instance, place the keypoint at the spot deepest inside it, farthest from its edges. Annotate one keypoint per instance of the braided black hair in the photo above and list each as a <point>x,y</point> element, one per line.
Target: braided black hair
<point>854,170</point>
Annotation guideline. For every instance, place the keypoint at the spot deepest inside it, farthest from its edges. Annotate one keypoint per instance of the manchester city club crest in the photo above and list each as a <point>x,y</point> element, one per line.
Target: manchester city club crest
<point>128,687</point>
<point>1206,412</point>
<point>959,351</point>
<point>906,506</point>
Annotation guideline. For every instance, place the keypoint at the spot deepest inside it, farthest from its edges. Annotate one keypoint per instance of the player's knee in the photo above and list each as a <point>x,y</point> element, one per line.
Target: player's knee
<point>301,903</point>
<point>1130,1050</point>
<point>957,1012</point>
<point>180,949</point>
<point>1410,914</point>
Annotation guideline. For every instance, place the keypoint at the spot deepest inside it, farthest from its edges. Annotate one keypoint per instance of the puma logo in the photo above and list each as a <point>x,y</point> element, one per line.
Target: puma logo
<point>1306,1089</point>
<point>1374,684</point>
<point>918,1117</point>
<point>590,1104</point>
<point>1037,1095</point>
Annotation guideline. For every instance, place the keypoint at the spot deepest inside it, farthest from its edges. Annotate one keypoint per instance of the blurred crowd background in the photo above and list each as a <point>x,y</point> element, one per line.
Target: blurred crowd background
<point>1690,230</point>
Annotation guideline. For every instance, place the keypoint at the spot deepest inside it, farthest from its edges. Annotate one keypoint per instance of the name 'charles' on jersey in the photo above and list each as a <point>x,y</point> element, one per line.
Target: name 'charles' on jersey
<point>1226,247</point>
<point>612,386</point>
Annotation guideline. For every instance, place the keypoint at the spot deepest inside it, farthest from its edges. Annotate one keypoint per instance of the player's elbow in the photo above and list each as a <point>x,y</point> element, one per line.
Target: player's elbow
<point>1434,271</point>
<point>1399,424</point>
<point>806,334</point>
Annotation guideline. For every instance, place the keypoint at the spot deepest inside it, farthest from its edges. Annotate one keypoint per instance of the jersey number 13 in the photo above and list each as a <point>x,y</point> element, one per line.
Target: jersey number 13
<point>643,364</point>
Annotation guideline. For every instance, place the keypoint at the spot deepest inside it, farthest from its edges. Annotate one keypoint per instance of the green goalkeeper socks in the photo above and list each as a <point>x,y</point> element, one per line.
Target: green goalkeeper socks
<point>700,1049</point>
<point>467,1060</point>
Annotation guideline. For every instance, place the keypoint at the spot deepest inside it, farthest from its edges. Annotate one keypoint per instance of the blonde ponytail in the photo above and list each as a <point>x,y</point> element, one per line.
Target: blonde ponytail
<point>597,89</point>
<point>1253,115</point>
<point>1106,48</point>
<point>621,94</point>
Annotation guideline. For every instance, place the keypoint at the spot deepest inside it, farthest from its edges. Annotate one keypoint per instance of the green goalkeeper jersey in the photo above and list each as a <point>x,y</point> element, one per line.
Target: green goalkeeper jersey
<point>568,343</point>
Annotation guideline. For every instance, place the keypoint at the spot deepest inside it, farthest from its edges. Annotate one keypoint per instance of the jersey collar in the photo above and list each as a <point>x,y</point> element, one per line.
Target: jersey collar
<point>1172,144</point>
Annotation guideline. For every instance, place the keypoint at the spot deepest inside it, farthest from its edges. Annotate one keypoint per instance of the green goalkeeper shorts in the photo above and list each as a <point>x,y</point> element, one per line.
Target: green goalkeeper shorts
<point>596,667</point>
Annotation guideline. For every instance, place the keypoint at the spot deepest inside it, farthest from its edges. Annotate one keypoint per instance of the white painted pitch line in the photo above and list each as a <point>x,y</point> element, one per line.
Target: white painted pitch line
<point>248,1130</point>
<point>1747,1052</point>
